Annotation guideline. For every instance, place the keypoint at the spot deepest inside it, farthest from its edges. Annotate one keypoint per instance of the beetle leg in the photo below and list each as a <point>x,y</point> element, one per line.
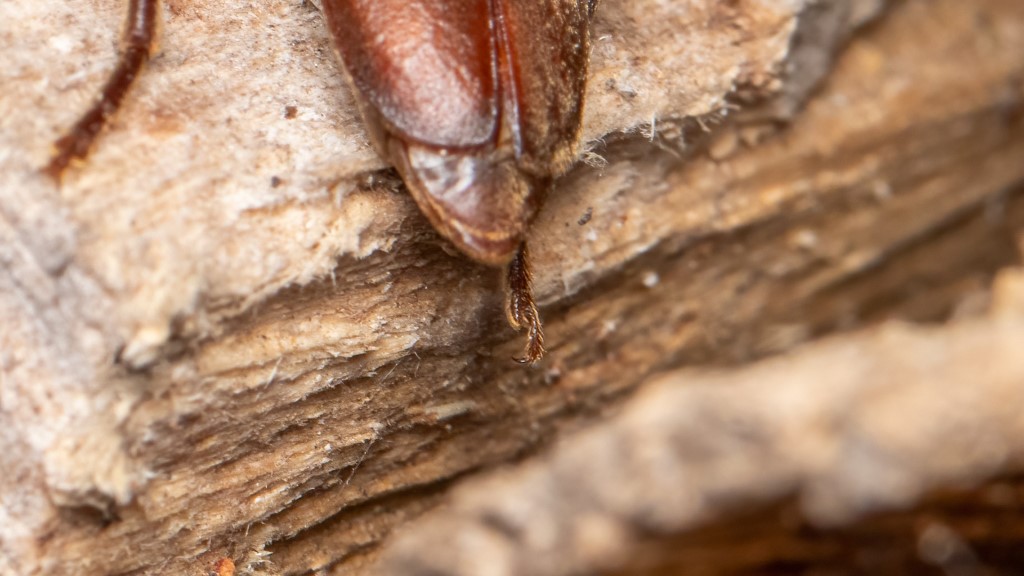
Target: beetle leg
<point>520,307</point>
<point>137,42</point>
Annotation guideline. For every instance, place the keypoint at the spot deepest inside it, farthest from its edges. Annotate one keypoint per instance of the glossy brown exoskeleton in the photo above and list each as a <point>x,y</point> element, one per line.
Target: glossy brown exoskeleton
<point>476,102</point>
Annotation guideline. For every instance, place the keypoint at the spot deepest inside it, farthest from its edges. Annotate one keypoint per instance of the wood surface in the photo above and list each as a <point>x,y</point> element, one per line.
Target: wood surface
<point>775,338</point>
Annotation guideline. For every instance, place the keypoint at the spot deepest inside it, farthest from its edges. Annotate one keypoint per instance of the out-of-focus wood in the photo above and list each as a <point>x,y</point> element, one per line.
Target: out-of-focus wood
<point>859,423</point>
<point>222,339</point>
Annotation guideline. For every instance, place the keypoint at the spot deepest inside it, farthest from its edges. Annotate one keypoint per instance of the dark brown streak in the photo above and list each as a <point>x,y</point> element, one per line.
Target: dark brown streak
<point>520,307</point>
<point>138,40</point>
<point>509,99</point>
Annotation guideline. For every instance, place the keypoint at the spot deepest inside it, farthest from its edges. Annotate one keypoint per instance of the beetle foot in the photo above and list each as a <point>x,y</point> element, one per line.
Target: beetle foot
<point>521,309</point>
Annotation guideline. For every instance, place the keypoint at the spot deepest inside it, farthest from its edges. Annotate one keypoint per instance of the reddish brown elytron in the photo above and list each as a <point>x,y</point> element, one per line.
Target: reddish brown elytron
<point>476,102</point>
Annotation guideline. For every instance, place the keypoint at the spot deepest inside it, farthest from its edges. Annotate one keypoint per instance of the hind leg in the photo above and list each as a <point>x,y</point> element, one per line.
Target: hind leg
<point>137,42</point>
<point>520,307</point>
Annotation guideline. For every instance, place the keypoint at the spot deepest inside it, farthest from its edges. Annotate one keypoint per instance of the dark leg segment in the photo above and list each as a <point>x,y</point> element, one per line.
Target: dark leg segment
<point>138,39</point>
<point>520,307</point>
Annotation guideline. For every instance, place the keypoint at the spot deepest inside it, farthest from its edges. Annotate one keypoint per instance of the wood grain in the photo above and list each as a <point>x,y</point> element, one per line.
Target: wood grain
<point>231,334</point>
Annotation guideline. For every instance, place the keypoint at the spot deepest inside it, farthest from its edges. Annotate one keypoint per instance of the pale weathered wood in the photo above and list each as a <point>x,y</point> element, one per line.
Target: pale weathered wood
<point>222,339</point>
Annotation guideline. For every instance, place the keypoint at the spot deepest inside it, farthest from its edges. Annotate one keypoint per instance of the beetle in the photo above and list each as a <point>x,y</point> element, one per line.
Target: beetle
<point>477,103</point>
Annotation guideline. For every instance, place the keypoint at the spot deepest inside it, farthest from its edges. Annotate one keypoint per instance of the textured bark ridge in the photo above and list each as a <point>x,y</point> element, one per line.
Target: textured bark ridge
<point>775,336</point>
